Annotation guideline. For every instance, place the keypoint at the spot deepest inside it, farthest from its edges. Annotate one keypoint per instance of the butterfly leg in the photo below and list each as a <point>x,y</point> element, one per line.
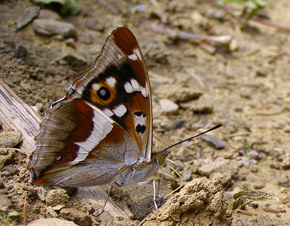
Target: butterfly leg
<point>107,198</point>
<point>155,192</point>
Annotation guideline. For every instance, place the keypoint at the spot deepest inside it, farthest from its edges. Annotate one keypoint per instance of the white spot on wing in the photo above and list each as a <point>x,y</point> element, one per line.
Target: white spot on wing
<point>144,91</point>
<point>120,110</point>
<point>111,81</point>
<point>96,86</point>
<point>108,112</point>
<point>140,120</point>
<point>102,126</point>
<point>133,57</point>
<point>135,85</point>
<point>137,52</point>
<point>128,87</point>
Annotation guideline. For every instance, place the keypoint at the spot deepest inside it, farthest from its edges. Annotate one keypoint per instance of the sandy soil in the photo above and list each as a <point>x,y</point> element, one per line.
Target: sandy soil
<point>241,80</point>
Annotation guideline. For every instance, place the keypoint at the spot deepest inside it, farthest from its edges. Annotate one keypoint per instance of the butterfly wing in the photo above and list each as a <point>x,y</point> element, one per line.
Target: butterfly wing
<point>118,84</point>
<point>103,124</point>
<point>75,146</point>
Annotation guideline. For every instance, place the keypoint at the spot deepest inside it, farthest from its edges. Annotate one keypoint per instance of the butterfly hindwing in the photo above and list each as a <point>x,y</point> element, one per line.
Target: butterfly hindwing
<point>68,134</point>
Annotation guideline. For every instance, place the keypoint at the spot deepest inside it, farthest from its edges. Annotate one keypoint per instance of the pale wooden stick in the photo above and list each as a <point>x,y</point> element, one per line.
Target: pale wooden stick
<point>14,113</point>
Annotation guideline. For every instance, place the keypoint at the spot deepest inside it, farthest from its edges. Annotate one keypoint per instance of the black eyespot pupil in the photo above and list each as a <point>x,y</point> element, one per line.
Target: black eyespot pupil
<point>104,93</point>
<point>58,158</point>
<point>140,128</point>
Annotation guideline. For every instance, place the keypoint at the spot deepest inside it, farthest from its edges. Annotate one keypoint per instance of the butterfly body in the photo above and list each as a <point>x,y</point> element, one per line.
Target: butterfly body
<point>101,131</point>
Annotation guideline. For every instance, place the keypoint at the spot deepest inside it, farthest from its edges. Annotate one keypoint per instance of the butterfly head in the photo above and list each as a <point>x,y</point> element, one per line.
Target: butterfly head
<point>160,158</point>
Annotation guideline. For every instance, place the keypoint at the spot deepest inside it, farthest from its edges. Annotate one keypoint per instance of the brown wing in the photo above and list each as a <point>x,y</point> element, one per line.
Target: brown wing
<point>78,145</point>
<point>118,84</point>
<point>104,123</point>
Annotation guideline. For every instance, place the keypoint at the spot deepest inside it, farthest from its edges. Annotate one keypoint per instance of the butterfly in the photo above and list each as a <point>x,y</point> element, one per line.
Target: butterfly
<point>101,131</point>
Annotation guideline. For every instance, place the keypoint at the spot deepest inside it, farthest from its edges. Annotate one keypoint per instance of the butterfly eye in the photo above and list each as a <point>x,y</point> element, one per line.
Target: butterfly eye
<point>160,159</point>
<point>104,93</point>
<point>58,158</point>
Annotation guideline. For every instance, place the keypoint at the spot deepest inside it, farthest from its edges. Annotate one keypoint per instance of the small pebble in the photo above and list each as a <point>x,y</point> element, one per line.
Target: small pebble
<point>214,142</point>
<point>93,23</point>
<point>52,27</point>
<point>10,138</point>
<point>254,168</point>
<point>284,198</point>
<point>198,19</point>
<point>201,106</point>
<point>285,183</point>
<point>41,193</point>
<point>254,205</point>
<point>259,185</point>
<point>50,211</point>
<point>138,8</point>
<point>168,107</point>
<point>70,42</point>
<point>234,46</point>
<point>26,16</point>
<point>187,176</point>
<point>56,197</point>
<point>11,170</point>
<point>178,93</point>
<point>77,61</point>
<point>252,154</point>
<point>86,38</point>
<point>20,51</point>
<point>5,203</point>
<point>176,124</point>
<point>58,207</point>
<point>76,216</point>
<point>6,159</point>
<point>48,14</point>
<point>286,162</point>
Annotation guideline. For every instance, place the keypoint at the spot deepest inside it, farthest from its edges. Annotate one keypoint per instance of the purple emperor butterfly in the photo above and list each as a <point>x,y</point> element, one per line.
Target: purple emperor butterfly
<point>101,131</point>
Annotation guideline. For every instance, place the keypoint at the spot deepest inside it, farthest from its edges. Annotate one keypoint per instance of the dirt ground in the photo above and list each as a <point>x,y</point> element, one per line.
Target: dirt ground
<point>237,74</point>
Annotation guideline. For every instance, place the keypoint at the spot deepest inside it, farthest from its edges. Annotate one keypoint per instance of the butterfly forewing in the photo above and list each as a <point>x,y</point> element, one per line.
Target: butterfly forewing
<point>118,84</point>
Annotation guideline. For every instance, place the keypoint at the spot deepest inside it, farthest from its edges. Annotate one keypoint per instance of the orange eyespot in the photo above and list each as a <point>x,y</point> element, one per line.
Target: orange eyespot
<point>103,93</point>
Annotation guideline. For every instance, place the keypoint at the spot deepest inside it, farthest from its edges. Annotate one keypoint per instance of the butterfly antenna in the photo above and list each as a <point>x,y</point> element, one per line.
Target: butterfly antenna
<point>180,142</point>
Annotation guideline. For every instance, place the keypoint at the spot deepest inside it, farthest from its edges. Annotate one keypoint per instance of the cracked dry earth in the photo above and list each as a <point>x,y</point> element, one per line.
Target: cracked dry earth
<point>236,175</point>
